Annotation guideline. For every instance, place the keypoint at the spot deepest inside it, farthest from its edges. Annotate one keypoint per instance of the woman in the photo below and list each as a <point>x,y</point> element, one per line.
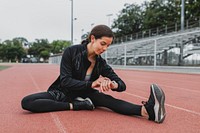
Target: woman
<point>85,76</point>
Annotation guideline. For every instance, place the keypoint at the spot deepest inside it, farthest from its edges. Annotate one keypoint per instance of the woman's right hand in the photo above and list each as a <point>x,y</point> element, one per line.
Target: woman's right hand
<point>104,84</point>
<point>97,83</point>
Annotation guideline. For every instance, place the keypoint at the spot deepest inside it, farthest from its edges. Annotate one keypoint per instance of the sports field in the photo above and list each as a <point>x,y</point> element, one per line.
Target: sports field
<point>182,103</point>
<point>3,67</point>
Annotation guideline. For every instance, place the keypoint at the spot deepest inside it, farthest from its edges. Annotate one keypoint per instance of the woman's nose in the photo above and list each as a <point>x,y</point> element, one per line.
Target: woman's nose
<point>105,48</point>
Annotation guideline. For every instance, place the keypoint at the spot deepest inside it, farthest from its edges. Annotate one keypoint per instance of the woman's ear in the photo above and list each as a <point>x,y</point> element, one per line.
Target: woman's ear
<point>92,38</point>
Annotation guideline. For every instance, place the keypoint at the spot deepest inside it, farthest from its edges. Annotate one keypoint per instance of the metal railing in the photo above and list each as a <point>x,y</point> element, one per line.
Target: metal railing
<point>182,48</point>
<point>163,30</point>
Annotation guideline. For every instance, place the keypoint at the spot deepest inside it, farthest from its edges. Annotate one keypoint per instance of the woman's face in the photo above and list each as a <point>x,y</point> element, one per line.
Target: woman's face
<point>100,45</point>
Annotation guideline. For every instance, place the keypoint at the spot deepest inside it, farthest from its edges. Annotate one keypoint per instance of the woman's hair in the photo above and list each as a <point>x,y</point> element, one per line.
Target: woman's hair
<point>98,32</point>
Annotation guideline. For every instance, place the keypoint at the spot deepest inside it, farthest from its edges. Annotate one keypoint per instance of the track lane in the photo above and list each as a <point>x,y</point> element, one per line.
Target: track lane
<point>182,110</point>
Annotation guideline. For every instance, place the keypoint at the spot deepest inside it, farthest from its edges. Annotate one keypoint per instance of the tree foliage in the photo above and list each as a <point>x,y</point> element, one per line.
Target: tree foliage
<point>129,20</point>
<point>15,49</point>
<point>12,50</point>
<point>38,46</point>
<point>156,13</point>
<point>59,45</point>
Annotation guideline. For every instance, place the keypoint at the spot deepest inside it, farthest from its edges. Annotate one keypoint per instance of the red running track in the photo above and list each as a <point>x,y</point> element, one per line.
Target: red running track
<point>182,103</point>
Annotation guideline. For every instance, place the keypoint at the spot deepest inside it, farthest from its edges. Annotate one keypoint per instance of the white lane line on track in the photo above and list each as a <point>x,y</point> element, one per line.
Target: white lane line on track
<point>180,88</point>
<point>172,106</point>
<point>55,117</point>
<point>186,110</point>
<point>58,123</point>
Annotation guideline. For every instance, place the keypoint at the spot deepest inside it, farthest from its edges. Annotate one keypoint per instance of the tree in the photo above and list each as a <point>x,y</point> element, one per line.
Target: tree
<point>59,45</point>
<point>1,51</point>
<point>152,15</point>
<point>38,46</point>
<point>129,20</point>
<point>44,54</point>
<point>21,40</point>
<point>13,50</point>
<point>192,9</point>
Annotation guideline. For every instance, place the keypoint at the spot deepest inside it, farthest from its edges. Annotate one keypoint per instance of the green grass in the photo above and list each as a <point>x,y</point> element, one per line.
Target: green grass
<point>3,67</point>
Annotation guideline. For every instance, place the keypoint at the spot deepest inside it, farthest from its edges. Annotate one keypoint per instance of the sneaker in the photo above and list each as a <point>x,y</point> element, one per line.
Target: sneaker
<point>155,105</point>
<point>83,104</point>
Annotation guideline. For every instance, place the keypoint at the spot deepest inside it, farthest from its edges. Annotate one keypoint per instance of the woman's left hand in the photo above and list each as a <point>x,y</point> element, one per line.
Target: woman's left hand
<point>107,84</point>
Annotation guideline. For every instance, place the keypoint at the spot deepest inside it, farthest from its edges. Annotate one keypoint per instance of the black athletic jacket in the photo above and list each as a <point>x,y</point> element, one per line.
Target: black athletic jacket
<point>73,68</point>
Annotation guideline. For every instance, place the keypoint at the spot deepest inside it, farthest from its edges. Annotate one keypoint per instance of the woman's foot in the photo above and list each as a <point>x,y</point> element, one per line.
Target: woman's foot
<point>154,108</point>
<point>82,104</point>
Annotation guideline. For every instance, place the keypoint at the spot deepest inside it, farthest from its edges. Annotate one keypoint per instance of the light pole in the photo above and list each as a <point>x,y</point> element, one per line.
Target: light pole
<point>109,15</point>
<point>182,29</point>
<point>182,14</point>
<point>72,21</point>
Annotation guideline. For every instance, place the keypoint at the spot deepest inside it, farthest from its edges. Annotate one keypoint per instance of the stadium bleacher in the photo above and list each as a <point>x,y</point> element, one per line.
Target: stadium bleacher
<point>166,49</point>
<point>143,51</point>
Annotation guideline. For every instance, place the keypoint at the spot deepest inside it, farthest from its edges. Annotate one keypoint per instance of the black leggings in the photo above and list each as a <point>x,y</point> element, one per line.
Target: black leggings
<point>45,102</point>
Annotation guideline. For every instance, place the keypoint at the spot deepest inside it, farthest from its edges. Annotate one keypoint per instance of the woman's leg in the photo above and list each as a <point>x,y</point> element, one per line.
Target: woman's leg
<point>43,102</point>
<point>153,109</point>
<point>117,105</point>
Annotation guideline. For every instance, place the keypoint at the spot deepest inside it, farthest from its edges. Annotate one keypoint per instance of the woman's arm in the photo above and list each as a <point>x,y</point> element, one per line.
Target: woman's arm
<point>108,72</point>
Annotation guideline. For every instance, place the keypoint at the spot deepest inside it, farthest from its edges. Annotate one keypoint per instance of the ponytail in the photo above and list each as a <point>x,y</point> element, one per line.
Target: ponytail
<point>86,41</point>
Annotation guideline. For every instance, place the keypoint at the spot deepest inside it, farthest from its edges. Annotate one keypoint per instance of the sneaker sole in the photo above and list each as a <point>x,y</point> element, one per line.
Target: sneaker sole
<point>159,107</point>
<point>88,99</point>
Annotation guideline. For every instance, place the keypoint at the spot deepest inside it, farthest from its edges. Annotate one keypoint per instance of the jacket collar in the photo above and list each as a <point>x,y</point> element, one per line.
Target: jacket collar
<point>85,52</point>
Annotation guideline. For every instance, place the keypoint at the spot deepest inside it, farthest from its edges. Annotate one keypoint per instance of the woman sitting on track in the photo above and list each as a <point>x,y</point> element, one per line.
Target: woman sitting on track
<point>85,76</point>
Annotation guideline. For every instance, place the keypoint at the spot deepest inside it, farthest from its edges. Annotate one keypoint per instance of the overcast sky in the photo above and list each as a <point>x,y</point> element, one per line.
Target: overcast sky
<point>51,19</point>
